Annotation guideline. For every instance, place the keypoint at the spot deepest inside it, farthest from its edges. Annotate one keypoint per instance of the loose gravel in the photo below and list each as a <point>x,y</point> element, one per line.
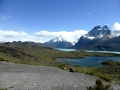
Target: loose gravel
<point>28,77</point>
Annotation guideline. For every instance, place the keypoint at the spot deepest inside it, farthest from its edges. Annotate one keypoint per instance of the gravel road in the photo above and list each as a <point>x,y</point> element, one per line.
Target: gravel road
<point>26,77</point>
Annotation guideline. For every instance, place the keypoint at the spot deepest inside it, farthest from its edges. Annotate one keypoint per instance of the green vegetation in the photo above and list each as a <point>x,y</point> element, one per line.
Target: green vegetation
<point>32,54</point>
<point>110,74</point>
<point>110,63</point>
<point>99,86</point>
<point>4,89</point>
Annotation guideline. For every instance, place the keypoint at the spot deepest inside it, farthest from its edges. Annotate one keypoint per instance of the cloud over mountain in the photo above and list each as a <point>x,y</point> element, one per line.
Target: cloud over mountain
<point>44,35</point>
<point>116,26</point>
<point>69,36</point>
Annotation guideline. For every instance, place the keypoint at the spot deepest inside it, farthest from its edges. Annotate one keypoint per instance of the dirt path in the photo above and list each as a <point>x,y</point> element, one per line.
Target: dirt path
<point>26,77</point>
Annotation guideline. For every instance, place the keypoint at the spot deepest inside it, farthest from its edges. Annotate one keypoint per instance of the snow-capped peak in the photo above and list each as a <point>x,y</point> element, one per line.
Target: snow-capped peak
<point>71,37</point>
<point>58,39</point>
<point>98,32</point>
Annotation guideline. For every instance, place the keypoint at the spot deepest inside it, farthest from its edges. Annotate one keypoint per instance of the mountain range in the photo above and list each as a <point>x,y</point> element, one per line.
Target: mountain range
<point>99,38</point>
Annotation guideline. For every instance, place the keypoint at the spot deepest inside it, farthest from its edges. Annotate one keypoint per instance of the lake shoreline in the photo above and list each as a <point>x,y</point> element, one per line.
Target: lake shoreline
<point>91,60</point>
<point>68,50</point>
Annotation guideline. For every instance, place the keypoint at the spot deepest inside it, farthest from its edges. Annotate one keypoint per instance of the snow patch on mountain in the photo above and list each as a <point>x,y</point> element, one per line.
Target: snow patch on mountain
<point>59,38</point>
<point>116,33</point>
<point>73,37</point>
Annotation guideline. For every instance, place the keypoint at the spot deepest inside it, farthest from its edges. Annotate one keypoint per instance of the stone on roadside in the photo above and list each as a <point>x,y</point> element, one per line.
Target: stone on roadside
<point>71,69</point>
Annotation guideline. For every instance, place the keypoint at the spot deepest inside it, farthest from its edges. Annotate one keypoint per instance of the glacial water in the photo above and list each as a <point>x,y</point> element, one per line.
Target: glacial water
<point>68,50</point>
<point>88,61</point>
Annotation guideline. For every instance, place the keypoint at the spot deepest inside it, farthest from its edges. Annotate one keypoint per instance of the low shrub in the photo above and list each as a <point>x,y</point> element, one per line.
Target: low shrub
<point>1,59</point>
<point>105,78</point>
<point>99,86</point>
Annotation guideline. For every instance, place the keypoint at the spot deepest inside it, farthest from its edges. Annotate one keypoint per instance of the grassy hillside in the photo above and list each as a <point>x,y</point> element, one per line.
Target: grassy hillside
<point>32,54</point>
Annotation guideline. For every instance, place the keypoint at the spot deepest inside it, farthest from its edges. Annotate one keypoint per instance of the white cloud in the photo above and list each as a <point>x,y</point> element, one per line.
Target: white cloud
<point>41,36</point>
<point>3,17</point>
<point>9,36</point>
<point>116,26</point>
<point>46,35</point>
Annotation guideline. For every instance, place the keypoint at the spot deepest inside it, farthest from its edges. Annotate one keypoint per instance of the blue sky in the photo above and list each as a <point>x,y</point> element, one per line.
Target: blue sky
<point>34,16</point>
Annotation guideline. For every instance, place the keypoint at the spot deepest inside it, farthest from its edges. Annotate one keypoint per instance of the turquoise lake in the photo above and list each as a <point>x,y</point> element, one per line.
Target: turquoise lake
<point>68,50</point>
<point>90,60</point>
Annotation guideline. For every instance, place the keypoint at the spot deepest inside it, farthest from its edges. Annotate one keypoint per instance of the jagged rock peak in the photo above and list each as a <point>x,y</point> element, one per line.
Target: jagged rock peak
<point>106,27</point>
<point>97,27</point>
<point>98,31</point>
